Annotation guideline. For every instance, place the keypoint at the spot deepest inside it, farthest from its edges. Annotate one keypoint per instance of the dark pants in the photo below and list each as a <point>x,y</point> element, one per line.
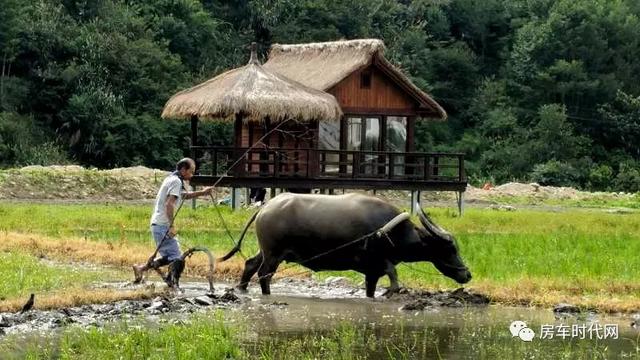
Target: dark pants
<point>257,194</point>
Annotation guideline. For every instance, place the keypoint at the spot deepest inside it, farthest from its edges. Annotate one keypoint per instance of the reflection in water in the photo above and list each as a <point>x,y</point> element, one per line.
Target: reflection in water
<point>376,329</point>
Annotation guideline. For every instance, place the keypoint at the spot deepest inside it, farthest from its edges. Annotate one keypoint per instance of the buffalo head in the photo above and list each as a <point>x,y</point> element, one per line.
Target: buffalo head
<point>442,250</point>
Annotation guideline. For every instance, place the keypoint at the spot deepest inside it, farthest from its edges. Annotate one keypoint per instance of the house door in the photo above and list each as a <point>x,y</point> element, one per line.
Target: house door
<point>363,134</point>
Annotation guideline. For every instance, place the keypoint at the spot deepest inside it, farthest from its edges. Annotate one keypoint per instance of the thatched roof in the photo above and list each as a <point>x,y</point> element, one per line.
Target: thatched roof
<point>255,93</point>
<point>323,65</point>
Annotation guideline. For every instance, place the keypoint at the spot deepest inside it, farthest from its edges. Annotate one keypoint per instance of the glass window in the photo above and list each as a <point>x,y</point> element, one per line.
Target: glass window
<point>354,133</point>
<point>396,133</point>
<point>396,141</point>
<point>329,137</point>
<point>372,135</point>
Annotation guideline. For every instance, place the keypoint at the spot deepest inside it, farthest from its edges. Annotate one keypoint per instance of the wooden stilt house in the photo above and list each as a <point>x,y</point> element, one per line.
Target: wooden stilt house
<point>366,142</point>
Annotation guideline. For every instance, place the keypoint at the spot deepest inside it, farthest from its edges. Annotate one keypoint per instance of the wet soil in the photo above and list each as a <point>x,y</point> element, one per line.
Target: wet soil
<point>195,296</point>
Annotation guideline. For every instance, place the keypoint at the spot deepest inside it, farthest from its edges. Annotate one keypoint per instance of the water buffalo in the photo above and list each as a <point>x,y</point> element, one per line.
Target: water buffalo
<point>298,227</point>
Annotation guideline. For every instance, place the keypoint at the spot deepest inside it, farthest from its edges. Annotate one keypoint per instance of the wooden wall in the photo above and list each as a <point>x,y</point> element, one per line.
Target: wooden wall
<point>287,136</point>
<point>383,97</point>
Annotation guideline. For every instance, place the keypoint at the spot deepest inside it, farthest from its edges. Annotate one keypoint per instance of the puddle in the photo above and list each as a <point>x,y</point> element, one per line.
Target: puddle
<point>447,324</point>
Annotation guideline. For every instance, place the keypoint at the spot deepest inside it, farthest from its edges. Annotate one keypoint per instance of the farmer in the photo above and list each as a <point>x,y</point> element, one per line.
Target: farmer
<point>170,196</point>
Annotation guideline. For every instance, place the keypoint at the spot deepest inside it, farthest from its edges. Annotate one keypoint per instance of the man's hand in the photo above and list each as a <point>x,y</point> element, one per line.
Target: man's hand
<point>172,232</point>
<point>207,191</point>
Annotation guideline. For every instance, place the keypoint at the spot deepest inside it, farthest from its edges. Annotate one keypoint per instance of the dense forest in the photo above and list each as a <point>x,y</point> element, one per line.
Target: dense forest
<point>536,90</point>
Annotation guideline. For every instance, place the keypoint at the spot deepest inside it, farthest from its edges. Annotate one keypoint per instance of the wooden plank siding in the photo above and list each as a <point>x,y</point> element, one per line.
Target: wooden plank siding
<point>382,97</point>
<point>288,136</point>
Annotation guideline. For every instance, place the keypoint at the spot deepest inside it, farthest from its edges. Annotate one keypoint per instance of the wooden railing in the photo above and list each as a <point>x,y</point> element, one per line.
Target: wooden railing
<point>320,163</point>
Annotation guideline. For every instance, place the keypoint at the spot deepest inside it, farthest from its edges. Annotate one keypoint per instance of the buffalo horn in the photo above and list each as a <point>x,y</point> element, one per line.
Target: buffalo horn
<point>431,227</point>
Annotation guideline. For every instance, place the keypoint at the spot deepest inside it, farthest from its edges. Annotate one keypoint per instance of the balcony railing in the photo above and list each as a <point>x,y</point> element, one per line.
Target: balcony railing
<point>283,163</point>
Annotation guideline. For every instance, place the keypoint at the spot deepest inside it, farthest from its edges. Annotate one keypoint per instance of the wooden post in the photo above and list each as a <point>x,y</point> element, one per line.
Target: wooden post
<point>460,203</point>
<point>238,170</point>
<point>342,169</point>
<point>411,131</point>
<point>194,155</point>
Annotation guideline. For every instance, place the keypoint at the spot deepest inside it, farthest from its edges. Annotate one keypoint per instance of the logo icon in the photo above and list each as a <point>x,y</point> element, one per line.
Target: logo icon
<point>519,328</point>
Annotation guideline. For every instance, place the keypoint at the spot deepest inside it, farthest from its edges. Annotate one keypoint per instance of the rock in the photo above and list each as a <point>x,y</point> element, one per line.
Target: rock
<point>203,300</point>
<point>566,308</point>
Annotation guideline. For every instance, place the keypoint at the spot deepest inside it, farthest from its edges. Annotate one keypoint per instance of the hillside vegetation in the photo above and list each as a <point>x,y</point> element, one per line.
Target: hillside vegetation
<point>543,90</point>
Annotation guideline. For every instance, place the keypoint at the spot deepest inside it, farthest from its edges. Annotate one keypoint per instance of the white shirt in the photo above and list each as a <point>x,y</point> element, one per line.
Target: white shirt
<point>172,185</point>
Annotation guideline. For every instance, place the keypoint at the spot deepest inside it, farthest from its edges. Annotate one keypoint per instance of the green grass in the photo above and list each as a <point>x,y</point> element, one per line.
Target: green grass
<point>210,337</point>
<point>24,274</point>
<point>579,251</point>
<point>128,223</point>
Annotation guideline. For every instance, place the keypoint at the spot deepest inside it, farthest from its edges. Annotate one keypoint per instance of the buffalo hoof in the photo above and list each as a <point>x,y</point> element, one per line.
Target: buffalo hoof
<point>390,291</point>
<point>241,289</point>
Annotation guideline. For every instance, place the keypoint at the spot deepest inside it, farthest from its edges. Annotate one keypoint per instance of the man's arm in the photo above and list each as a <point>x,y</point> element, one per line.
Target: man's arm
<point>169,207</point>
<point>204,192</point>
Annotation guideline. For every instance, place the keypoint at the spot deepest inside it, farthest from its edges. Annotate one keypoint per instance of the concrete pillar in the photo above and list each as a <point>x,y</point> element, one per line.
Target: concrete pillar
<point>415,201</point>
<point>235,198</point>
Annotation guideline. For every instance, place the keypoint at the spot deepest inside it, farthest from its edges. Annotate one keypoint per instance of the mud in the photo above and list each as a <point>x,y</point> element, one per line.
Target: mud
<point>100,314</point>
<point>195,296</point>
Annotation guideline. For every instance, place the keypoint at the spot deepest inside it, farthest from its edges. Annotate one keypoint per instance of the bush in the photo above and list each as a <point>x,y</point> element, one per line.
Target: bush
<point>628,178</point>
<point>22,142</point>
<point>600,178</point>
<point>555,173</point>
<point>45,154</point>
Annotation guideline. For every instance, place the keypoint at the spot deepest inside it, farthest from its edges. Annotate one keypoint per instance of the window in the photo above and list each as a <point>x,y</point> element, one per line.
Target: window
<point>365,80</point>
<point>396,142</point>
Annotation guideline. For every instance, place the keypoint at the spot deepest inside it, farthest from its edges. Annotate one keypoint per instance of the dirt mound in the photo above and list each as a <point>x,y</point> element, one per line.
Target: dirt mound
<point>536,192</point>
<point>74,182</point>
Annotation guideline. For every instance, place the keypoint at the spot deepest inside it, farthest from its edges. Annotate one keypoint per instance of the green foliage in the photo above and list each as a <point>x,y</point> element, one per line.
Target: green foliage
<point>628,178</point>
<point>524,82</point>
<point>555,173</point>
<point>22,142</point>
<point>600,177</point>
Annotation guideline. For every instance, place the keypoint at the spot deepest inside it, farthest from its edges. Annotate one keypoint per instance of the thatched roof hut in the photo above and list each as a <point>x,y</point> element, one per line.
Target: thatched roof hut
<point>324,65</point>
<point>254,93</point>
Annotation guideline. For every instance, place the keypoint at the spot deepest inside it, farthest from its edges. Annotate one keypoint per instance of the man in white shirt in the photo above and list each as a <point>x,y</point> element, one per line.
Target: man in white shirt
<point>170,197</point>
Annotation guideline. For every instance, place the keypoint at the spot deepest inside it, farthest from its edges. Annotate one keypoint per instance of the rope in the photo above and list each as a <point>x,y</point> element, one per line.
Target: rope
<point>226,228</point>
<point>150,260</point>
<point>321,254</point>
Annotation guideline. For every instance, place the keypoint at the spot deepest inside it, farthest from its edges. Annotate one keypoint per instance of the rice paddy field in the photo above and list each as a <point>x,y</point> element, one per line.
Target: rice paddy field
<point>531,259</point>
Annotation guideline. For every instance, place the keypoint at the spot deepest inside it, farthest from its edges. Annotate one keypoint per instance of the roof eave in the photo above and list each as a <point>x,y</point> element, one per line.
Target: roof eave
<point>427,106</point>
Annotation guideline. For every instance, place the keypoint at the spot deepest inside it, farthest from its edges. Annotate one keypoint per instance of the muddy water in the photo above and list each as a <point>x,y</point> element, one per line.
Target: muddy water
<point>446,324</point>
<point>444,329</point>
